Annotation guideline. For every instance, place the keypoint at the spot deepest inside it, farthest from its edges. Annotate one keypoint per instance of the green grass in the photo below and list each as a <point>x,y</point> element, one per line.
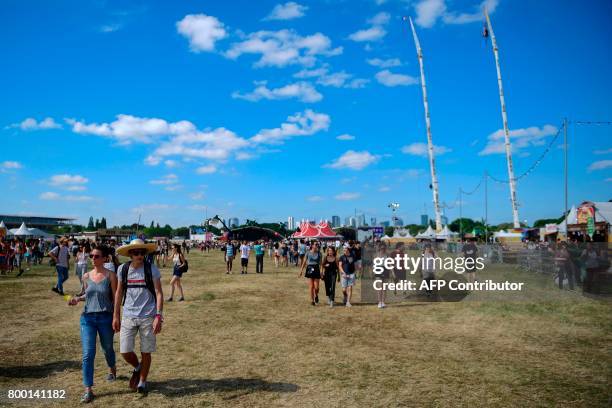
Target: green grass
<point>254,340</point>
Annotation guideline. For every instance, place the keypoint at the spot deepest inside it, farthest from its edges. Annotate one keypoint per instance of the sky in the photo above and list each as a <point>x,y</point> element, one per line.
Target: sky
<point>264,110</point>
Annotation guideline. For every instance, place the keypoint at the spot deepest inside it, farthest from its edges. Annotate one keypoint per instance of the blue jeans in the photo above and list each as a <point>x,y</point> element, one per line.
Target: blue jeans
<point>91,324</point>
<point>62,276</point>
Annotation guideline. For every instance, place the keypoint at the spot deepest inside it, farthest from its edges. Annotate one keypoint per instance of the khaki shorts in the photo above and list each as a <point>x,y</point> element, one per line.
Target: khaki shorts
<point>127,337</point>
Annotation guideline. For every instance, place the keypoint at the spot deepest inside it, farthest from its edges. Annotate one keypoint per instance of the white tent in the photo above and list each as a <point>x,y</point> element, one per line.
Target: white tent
<point>3,226</point>
<point>504,234</point>
<point>385,238</point>
<point>401,233</point>
<point>38,233</point>
<point>572,218</point>
<point>429,233</point>
<point>22,231</point>
<point>445,233</point>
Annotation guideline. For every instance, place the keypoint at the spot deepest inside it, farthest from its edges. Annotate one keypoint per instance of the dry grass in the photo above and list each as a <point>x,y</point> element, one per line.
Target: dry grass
<point>254,340</point>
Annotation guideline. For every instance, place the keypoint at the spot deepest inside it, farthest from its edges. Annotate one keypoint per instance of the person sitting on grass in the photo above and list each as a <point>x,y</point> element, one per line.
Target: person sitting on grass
<point>98,286</point>
<point>139,294</point>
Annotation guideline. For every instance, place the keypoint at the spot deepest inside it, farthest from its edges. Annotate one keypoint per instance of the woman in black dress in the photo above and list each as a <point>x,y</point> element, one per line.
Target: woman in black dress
<point>330,274</point>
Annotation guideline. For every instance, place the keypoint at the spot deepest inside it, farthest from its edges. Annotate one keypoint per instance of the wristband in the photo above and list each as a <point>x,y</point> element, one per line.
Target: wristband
<point>161,318</point>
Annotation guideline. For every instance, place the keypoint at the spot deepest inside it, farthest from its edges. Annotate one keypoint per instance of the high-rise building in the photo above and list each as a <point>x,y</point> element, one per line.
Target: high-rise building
<point>233,222</point>
<point>352,222</point>
<point>373,221</point>
<point>335,221</point>
<point>424,219</point>
<point>360,220</point>
<point>385,224</point>
<point>347,221</point>
<point>399,222</point>
<point>290,223</point>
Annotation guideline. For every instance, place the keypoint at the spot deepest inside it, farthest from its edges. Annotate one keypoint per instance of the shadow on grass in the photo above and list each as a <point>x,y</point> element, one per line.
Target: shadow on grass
<point>39,371</point>
<point>180,387</point>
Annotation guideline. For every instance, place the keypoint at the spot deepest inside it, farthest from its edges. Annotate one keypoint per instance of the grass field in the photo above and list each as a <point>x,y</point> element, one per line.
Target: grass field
<point>254,340</point>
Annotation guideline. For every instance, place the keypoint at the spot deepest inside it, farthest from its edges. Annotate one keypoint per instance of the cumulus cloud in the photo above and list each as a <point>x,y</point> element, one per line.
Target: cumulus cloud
<point>347,196</point>
<point>387,78</point>
<point>384,189</point>
<point>32,124</point>
<point>345,136</point>
<point>600,165</point>
<point>69,182</point>
<point>520,139</point>
<point>166,180</point>
<point>384,63</point>
<point>196,196</point>
<point>287,11</point>
<point>283,47</point>
<point>202,31</point>
<point>420,149</point>
<point>376,30</point>
<point>314,199</point>
<point>207,169</point>
<point>354,160</point>
<point>324,77</point>
<point>301,124</point>
<point>10,165</point>
<point>428,12</point>
<point>52,196</point>
<point>303,91</point>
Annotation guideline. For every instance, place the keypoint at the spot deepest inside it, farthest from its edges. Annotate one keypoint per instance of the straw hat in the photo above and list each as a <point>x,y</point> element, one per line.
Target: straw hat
<point>136,244</point>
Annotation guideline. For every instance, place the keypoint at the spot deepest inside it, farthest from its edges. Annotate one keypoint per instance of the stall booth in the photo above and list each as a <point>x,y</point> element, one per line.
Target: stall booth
<point>589,222</point>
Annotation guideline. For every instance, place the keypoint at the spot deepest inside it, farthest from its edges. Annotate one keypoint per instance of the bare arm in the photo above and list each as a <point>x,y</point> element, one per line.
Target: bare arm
<point>157,322</point>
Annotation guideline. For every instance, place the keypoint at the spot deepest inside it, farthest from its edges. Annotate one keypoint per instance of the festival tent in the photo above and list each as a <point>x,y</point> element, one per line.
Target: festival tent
<point>508,236</point>
<point>319,231</point>
<point>3,227</point>
<point>429,233</point>
<point>401,235</point>
<point>22,231</point>
<point>572,218</point>
<point>38,233</point>
<point>446,233</point>
<point>385,238</point>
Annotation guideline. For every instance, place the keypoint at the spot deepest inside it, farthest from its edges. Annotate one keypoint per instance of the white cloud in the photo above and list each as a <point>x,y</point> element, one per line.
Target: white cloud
<point>202,31</point>
<point>173,187</point>
<point>197,207</point>
<point>387,78</point>
<point>347,196</point>
<point>196,196</point>
<point>314,199</point>
<point>340,79</point>
<point>110,28</point>
<point>75,188</point>
<point>206,169</point>
<point>354,160</point>
<point>165,180</point>
<point>302,91</point>
<point>301,124</point>
<point>213,144</point>
<point>520,139</point>
<point>128,129</point>
<point>10,165</point>
<point>67,180</point>
<point>600,165</point>
<point>605,151</point>
<point>369,34</point>
<point>384,189</point>
<point>32,124</point>
<point>345,136</point>
<point>171,163</point>
<point>284,47</point>
<point>287,11</point>
<point>428,12</point>
<point>381,18</point>
<point>245,156</point>
<point>387,63</point>
<point>52,196</point>
<point>420,149</point>
<point>154,207</point>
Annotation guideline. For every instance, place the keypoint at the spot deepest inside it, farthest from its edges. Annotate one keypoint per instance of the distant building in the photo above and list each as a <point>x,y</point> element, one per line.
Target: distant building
<point>335,221</point>
<point>15,221</point>
<point>424,219</point>
<point>373,221</point>
<point>361,221</point>
<point>233,222</point>
<point>399,222</point>
<point>290,223</point>
<point>444,219</point>
<point>347,221</point>
<point>352,222</point>
<point>385,224</point>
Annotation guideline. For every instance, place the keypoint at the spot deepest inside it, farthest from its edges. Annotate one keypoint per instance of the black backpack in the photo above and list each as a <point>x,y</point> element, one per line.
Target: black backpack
<point>148,280</point>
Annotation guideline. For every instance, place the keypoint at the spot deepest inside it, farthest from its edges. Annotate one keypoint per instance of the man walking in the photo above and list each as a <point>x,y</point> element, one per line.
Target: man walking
<point>61,256</point>
<point>139,294</point>
<point>245,250</point>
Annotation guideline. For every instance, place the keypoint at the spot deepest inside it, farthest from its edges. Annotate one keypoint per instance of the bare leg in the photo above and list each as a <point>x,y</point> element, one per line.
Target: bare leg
<point>145,365</point>
<point>131,358</point>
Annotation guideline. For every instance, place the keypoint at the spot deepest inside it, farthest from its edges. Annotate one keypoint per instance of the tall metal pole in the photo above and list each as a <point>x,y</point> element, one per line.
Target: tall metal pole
<point>512,180</point>
<point>430,146</point>
<point>565,164</point>
<point>460,214</point>
<point>486,209</point>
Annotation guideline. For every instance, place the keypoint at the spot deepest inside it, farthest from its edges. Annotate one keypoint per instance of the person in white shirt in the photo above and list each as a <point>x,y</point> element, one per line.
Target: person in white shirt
<point>245,250</point>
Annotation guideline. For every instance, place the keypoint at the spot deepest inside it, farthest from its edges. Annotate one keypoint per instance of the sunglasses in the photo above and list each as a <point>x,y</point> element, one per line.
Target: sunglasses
<point>138,252</point>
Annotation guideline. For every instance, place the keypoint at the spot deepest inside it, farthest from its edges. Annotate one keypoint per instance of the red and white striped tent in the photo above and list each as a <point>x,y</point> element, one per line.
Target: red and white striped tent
<point>320,231</point>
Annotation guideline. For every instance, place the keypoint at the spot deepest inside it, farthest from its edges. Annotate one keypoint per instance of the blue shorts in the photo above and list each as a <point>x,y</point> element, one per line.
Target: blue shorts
<point>348,281</point>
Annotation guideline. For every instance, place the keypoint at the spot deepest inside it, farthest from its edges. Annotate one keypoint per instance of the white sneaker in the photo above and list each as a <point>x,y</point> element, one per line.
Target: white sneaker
<point>380,305</point>
<point>348,304</point>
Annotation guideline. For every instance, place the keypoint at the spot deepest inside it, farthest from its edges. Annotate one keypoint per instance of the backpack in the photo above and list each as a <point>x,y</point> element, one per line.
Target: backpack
<point>148,280</point>
<point>184,267</point>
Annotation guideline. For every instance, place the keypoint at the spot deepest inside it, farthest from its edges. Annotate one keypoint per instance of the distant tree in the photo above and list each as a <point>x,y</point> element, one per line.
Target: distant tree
<point>465,225</point>
<point>97,223</point>
<point>389,231</point>
<point>90,224</point>
<point>103,223</point>
<point>181,232</point>
<point>152,225</point>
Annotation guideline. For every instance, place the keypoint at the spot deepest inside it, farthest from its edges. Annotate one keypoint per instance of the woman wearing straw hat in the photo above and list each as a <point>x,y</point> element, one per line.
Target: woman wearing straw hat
<point>139,294</point>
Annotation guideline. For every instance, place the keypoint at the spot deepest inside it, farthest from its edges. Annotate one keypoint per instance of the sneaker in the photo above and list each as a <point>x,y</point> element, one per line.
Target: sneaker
<point>55,289</point>
<point>181,299</point>
<point>317,299</point>
<point>348,304</point>
<point>313,303</point>
<point>380,305</point>
<point>169,299</point>
<point>87,397</point>
<point>134,379</point>
<point>111,377</point>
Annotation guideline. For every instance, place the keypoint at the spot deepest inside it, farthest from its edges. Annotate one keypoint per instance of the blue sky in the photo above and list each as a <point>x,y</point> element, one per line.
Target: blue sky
<point>311,109</point>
